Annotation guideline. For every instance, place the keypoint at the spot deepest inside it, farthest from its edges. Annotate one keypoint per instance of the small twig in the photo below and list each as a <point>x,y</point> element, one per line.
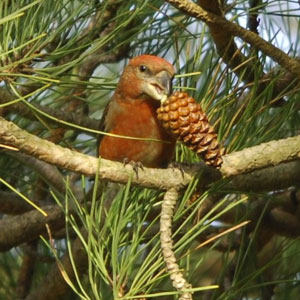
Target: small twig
<point>167,211</point>
<point>253,20</point>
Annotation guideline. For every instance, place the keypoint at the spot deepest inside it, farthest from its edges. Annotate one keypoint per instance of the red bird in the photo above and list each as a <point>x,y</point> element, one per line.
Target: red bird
<point>145,81</point>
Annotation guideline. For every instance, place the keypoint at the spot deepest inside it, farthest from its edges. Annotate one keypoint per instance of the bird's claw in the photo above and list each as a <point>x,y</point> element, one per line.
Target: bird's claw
<point>177,165</point>
<point>136,165</point>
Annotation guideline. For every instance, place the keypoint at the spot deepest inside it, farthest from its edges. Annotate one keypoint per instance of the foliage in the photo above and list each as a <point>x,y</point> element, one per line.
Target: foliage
<point>59,58</point>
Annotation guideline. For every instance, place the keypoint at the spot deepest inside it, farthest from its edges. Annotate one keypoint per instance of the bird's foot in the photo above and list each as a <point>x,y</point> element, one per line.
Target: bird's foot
<point>136,165</point>
<point>180,166</point>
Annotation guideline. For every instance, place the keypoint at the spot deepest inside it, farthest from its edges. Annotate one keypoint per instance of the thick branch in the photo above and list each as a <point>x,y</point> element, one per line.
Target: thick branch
<point>192,9</point>
<point>262,156</point>
<point>84,164</point>
<point>12,204</point>
<point>281,176</point>
<point>15,230</point>
<point>266,154</point>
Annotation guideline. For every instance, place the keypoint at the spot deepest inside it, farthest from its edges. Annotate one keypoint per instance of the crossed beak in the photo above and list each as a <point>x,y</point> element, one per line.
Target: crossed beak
<point>165,81</point>
<point>162,84</point>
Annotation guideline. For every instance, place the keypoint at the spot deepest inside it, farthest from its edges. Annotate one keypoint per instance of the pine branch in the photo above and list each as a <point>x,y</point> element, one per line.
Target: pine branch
<point>17,230</point>
<point>167,211</point>
<point>11,204</point>
<point>227,49</point>
<point>261,156</point>
<point>266,155</point>
<point>267,179</point>
<point>192,9</point>
<point>246,67</point>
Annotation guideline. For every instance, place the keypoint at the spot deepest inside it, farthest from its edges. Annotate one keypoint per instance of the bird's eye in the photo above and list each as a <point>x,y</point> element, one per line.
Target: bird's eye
<point>143,68</point>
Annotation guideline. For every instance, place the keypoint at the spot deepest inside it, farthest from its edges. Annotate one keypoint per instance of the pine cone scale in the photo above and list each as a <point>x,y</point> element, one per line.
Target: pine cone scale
<point>183,117</point>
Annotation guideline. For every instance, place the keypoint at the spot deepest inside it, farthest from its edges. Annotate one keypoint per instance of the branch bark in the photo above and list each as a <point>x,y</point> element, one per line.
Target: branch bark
<point>15,230</point>
<point>167,212</point>
<point>12,204</point>
<point>192,9</point>
<point>267,154</point>
<point>264,156</point>
<point>227,49</point>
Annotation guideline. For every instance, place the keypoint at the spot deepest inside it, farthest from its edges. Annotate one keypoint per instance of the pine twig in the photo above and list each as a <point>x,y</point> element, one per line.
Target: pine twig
<point>253,21</point>
<point>167,211</point>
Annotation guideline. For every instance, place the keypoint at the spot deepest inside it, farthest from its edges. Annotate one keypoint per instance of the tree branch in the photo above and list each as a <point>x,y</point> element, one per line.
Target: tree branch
<point>15,230</point>
<point>192,9</point>
<point>84,164</point>
<point>167,212</point>
<point>261,156</point>
<point>264,156</point>
<point>227,49</point>
<point>281,176</point>
<point>12,204</point>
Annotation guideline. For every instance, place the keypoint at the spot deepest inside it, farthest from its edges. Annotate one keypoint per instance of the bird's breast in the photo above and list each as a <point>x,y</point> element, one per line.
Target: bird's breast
<point>136,119</point>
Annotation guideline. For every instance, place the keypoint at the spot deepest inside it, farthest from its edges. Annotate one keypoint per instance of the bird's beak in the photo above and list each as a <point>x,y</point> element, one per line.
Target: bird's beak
<point>165,81</point>
<point>159,87</point>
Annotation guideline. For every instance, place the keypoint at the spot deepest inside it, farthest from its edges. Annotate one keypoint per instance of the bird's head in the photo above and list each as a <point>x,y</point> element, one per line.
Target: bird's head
<point>146,77</point>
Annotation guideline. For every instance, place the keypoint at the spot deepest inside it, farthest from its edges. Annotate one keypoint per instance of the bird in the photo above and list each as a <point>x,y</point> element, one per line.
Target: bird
<point>131,112</point>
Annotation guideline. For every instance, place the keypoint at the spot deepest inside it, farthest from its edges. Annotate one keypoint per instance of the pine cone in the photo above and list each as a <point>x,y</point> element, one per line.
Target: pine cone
<point>182,116</point>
